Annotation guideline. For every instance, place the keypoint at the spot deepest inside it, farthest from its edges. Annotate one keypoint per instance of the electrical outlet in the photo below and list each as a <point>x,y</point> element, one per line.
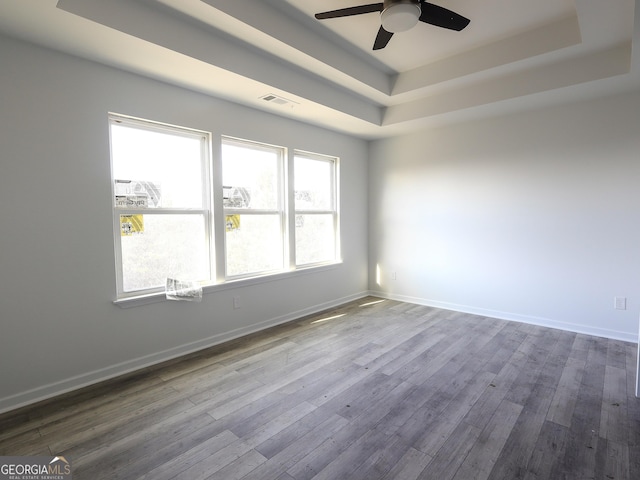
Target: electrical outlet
<point>394,276</point>
<point>236,302</point>
<point>620,303</point>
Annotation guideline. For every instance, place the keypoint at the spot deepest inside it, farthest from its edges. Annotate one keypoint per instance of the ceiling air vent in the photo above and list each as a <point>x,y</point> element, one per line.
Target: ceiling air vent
<point>271,98</point>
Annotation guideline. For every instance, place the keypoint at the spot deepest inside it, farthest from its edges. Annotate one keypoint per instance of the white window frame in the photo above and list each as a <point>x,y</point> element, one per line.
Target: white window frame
<point>281,209</point>
<point>214,213</point>
<point>206,211</point>
<point>334,210</point>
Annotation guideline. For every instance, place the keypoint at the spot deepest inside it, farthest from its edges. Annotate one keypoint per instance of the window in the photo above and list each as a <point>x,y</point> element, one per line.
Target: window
<point>275,212</point>
<point>316,214</point>
<point>162,212</point>
<point>252,178</point>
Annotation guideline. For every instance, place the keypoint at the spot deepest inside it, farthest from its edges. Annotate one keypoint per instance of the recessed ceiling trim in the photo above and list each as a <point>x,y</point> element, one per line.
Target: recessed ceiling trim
<point>545,39</point>
<point>157,41</point>
<point>155,24</point>
<point>283,22</point>
<point>597,66</point>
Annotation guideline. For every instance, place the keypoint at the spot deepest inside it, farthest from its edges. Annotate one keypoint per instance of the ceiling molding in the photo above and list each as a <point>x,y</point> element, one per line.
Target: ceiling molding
<point>548,38</point>
<point>204,43</point>
<point>297,34</point>
<point>605,64</point>
<point>517,53</point>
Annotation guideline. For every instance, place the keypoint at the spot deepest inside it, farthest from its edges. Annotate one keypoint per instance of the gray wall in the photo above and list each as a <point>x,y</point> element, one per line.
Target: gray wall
<point>532,217</point>
<point>58,326</point>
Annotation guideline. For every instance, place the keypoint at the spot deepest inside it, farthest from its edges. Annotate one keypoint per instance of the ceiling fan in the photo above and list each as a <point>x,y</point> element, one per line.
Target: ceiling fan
<point>401,15</point>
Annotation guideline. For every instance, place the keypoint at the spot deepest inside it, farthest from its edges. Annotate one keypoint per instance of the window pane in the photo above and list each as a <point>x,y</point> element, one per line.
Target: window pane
<point>155,247</point>
<point>165,167</point>
<point>315,238</point>
<point>313,184</point>
<point>254,244</point>
<point>250,177</point>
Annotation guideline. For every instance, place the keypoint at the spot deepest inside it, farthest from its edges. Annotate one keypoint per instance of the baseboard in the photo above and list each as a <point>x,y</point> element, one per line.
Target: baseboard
<point>90,378</point>
<point>543,322</point>
<point>638,370</point>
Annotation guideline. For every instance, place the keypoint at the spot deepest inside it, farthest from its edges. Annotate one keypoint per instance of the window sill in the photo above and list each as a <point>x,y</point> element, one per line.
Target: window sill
<point>146,299</point>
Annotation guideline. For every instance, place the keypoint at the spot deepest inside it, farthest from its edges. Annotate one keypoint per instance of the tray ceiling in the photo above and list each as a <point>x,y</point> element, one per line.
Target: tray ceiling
<point>513,55</point>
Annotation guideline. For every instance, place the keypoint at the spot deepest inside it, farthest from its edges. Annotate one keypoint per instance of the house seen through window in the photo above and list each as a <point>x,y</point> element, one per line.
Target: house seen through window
<point>162,204</point>
<point>253,178</point>
<point>280,211</point>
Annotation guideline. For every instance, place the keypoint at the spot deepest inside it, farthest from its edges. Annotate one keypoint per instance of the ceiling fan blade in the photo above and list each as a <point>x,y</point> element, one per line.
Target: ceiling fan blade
<point>441,17</point>
<point>382,39</point>
<point>347,12</point>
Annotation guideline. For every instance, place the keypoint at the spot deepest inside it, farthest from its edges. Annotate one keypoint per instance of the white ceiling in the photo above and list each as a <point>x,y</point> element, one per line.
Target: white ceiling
<point>515,54</point>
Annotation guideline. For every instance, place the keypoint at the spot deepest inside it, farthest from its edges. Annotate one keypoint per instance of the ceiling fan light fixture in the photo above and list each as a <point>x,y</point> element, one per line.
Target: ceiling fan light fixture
<point>400,17</point>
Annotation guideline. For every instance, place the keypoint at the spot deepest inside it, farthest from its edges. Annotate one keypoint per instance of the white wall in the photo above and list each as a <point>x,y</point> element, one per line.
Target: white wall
<point>58,326</point>
<point>532,217</point>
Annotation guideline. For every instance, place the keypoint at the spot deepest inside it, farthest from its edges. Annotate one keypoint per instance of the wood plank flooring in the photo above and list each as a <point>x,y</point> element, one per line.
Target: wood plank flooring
<point>375,389</point>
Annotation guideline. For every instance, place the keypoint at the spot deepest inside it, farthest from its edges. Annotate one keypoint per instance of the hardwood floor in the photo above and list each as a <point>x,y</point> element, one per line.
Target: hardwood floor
<point>375,389</point>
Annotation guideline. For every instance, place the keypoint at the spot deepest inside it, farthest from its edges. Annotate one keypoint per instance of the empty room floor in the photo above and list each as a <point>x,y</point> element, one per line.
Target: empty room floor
<point>374,389</point>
